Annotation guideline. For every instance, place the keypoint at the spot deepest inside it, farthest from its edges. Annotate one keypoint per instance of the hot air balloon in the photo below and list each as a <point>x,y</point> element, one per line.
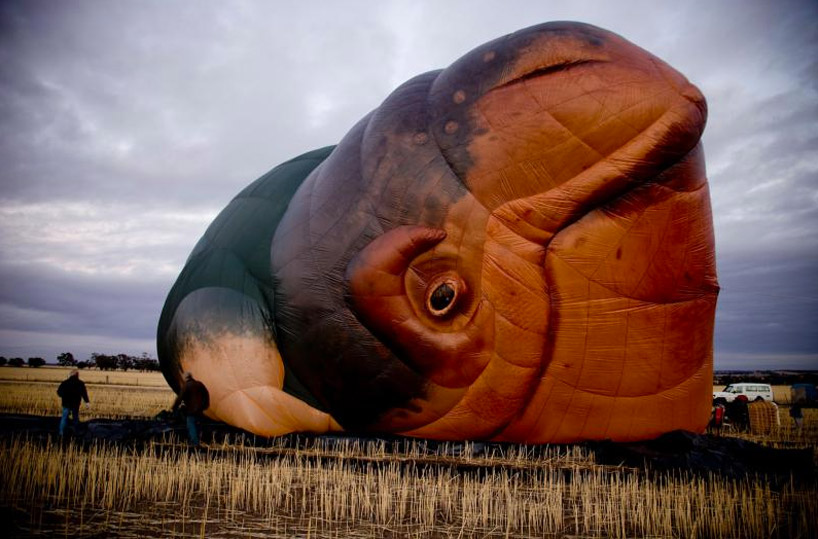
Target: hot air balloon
<point>518,247</point>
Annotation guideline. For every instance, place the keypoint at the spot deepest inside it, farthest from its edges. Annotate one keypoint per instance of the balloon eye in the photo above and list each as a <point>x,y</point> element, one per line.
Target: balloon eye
<point>442,298</point>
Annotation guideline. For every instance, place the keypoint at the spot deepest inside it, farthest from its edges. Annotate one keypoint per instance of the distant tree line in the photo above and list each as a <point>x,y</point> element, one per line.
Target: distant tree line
<point>102,362</point>
<point>19,362</point>
<point>776,378</point>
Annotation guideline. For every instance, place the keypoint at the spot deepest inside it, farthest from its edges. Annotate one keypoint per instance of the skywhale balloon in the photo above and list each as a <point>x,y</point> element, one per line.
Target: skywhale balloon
<point>518,247</point>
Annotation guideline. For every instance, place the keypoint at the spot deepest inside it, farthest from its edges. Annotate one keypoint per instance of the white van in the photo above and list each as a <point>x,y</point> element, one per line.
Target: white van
<point>753,392</point>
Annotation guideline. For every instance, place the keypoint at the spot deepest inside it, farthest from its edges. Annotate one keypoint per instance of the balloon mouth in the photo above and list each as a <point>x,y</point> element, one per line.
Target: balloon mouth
<point>561,66</point>
<point>564,107</point>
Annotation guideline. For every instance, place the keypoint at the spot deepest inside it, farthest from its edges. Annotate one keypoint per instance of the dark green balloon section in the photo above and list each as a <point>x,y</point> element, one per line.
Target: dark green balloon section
<point>230,267</point>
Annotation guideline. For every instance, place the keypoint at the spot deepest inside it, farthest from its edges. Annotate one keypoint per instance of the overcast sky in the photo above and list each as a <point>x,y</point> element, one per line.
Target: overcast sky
<point>126,126</point>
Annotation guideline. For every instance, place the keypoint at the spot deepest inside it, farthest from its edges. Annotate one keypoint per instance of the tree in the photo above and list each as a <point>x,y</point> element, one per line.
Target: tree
<point>104,362</point>
<point>3,361</point>
<point>66,359</point>
<point>125,362</point>
<point>36,362</point>
<point>85,364</point>
<point>146,363</point>
<point>16,362</point>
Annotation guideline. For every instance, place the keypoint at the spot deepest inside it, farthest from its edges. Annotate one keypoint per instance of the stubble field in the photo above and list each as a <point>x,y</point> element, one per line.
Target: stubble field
<point>113,395</point>
<point>302,486</point>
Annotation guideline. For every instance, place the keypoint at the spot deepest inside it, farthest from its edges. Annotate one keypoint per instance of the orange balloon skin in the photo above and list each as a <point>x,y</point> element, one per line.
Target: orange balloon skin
<point>586,246</point>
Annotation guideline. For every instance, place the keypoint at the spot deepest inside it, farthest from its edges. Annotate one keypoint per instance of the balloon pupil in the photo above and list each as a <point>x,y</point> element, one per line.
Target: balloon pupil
<point>442,297</point>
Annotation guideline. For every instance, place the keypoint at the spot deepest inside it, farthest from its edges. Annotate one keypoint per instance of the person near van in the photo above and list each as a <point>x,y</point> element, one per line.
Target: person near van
<point>738,413</point>
<point>797,415</point>
<point>193,399</point>
<point>716,419</point>
<point>72,392</point>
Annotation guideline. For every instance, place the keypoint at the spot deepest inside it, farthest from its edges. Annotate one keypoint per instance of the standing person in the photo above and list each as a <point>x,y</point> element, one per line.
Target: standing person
<point>72,391</point>
<point>743,412</point>
<point>739,414</point>
<point>716,419</point>
<point>194,399</point>
<point>797,415</point>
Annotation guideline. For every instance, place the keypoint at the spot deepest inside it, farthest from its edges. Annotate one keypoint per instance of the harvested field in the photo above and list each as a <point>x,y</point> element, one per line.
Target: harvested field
<point>113,402</point>
<point>320,491</point>
<point>125,394</point>
<point>239,486</point>
<point>89,376</point>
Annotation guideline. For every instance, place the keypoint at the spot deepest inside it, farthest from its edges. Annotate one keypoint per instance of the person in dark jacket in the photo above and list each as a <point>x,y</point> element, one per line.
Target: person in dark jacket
<point>72,392</point>
<point>739,414</point>
<point>194,399</point>
<point>797,415</point>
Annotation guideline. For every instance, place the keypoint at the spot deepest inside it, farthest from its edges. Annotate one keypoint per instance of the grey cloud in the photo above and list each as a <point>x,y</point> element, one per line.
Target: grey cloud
<point>768,305</point>
<point>53,302</point>
<point>216,104</point>
<point>765,189</point>
<point>161,108</point>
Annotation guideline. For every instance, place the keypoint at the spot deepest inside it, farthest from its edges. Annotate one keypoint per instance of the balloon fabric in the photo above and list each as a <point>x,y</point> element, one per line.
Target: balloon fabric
<point>518,247</point>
